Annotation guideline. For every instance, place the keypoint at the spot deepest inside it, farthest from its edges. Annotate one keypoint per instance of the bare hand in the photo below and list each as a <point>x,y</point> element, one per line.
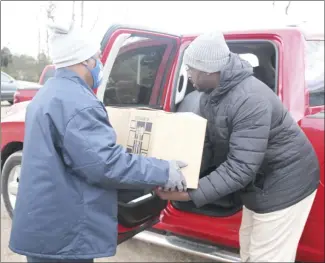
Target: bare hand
<point>173,195</point>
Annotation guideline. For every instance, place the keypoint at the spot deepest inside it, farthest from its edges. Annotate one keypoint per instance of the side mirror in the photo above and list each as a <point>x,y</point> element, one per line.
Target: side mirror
<point>182,85</point>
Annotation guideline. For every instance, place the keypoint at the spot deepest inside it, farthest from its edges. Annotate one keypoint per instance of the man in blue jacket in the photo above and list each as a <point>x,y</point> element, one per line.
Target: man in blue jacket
<point>66,208</point>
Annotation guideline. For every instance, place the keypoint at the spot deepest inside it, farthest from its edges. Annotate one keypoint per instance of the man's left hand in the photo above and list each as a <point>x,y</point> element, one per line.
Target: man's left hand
<point>173,195</point>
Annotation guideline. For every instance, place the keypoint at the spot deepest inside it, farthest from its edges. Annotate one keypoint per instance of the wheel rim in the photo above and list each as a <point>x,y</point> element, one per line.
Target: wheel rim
<point>13,182</point>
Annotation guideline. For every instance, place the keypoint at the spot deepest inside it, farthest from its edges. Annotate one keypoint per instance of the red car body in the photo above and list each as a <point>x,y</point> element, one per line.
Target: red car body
<point>27,93</point>
<point>210,231</point>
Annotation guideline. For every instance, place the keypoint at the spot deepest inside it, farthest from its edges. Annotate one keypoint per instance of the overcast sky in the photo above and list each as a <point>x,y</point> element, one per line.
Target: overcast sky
<point>20,20</point>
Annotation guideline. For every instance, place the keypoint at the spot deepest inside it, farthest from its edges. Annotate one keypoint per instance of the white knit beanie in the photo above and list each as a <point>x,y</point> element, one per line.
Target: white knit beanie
<point>70,44</point>
<point>208,53</point>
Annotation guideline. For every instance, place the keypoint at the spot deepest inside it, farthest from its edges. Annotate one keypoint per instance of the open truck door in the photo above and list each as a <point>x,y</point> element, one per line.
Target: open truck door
<point>137,64</point>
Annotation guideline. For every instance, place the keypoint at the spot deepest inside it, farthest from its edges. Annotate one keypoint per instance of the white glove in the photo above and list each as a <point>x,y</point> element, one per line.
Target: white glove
<point>176,180</point>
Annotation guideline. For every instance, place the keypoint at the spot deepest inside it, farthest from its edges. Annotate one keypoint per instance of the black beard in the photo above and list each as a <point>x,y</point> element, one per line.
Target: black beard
<point>205,90</point>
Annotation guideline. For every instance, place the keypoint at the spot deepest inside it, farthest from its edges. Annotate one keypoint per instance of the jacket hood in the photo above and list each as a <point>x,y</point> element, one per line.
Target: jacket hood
<point>234,73</point>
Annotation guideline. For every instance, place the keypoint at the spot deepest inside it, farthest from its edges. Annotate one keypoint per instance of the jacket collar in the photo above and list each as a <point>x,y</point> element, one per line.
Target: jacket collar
<point>69,74</point>
<point>233,74</point>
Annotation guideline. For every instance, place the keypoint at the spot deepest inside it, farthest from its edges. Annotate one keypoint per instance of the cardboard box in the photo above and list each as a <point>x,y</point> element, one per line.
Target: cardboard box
<point>164,135</point>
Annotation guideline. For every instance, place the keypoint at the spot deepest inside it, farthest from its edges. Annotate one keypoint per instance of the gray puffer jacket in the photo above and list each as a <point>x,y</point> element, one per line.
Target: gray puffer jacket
<point>256,146</point>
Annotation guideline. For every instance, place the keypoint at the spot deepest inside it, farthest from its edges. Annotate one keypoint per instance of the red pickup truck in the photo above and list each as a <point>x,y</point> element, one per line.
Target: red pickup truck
<point>144,68</point>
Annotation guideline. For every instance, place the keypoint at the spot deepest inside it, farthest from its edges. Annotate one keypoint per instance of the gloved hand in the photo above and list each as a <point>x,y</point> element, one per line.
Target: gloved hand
<point>176,180</point>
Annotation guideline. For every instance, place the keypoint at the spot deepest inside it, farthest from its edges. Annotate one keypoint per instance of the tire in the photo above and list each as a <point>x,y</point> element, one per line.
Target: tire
<point>12,161</point>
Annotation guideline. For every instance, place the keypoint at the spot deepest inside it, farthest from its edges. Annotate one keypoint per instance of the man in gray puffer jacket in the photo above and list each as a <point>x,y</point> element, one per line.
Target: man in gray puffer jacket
<point>259,151</point>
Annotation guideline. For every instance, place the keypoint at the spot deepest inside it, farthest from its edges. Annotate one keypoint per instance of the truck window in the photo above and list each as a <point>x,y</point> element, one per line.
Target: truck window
<point>251,58</point>
<point>5,78</point>
<point>260,54</point>
<point>314,71</point>
<point>134,72</point>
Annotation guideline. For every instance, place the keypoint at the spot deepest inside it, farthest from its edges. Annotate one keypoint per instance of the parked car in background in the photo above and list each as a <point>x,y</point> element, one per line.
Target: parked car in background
<point>27,92</point>
<point>144,68</point>
<point>8,87</point>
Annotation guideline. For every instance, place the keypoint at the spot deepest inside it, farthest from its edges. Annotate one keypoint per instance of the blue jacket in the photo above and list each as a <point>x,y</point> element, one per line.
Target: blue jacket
<point>66,206</point>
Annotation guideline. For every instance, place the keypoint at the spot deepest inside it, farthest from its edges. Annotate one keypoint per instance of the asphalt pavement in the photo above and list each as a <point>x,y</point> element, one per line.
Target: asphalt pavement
<point>130,251</point>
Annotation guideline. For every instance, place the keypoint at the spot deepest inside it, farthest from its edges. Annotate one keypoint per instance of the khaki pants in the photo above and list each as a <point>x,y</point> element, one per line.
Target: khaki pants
<point>273,237</point>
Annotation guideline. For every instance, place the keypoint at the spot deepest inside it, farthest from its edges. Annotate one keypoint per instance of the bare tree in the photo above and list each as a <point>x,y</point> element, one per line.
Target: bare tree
<point>50,16</point>
<point>39,32</point>
<point>287,7</point>
<point>50,10</point>
<point>95,22</point>
<point>81,13</point>
<point>73,10</point>
<point>6,57</point>
<point>39,41</point>
<point>96,19</point>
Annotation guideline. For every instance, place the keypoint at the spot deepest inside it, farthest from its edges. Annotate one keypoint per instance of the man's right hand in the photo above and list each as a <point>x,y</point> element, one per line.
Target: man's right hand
<point>176,180</point>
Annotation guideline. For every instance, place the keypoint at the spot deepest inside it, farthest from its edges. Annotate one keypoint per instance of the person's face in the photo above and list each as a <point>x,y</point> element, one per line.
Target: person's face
<point>91,64</point>
<point>202,81</point>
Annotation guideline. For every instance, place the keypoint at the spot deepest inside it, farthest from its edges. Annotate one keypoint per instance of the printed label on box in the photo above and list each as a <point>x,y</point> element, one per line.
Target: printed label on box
<point>139,136</point>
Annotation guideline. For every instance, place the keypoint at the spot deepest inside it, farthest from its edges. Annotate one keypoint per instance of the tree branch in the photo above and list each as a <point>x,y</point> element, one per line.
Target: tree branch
<point>82,14</point>
<point>96,20</point>
<point>73,8</point>
<point>288,6</point>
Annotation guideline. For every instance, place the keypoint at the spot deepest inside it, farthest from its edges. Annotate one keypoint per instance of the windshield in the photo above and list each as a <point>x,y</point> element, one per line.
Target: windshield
<point>314,72</point>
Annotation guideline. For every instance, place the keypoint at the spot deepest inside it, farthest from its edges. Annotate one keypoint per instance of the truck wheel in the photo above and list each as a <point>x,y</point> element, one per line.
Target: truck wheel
<point>10,180</point>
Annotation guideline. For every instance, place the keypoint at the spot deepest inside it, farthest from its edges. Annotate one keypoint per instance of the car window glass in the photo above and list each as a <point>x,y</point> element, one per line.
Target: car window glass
<point>4,78</point>
<point>314,71</point>
<point>250,58</point>
<point>134,72</point>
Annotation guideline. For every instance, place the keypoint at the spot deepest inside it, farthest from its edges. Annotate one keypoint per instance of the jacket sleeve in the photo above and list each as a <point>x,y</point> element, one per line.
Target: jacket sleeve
<point>250,123</point>
<point>90,150</point>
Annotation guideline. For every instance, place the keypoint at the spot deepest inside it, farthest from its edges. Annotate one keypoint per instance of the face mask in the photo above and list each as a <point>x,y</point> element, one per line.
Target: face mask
<point>97,74</point>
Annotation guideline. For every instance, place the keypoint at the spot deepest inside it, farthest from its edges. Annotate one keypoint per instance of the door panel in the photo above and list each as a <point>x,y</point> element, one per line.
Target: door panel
<point>143,61</point>
<point>111,51</point>
<point>137,211</point>
<point>142,207</point>
<point>135,62</point>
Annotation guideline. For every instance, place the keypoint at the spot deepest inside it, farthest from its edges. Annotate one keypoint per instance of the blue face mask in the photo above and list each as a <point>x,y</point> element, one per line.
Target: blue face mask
<point>97,74</point>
